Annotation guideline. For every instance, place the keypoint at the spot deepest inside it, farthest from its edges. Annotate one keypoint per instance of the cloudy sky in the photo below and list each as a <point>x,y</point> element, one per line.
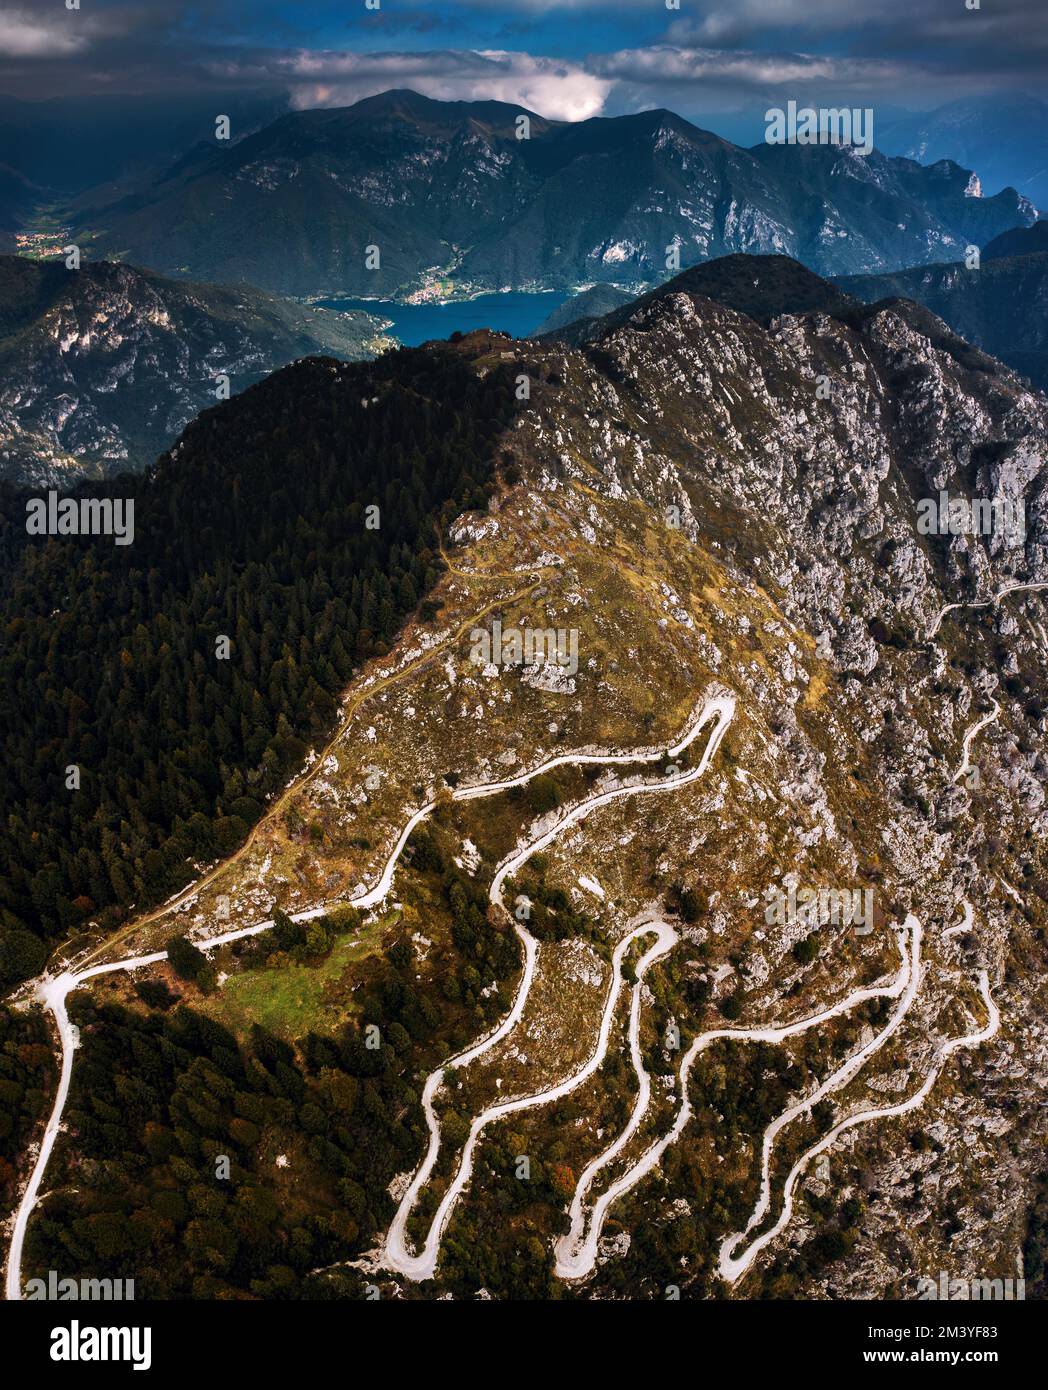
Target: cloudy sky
<point>567,59</point>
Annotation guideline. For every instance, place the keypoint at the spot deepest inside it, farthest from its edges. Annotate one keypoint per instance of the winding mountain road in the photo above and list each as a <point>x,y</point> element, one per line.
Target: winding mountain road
<point>732,1267</point>
<point>576,1252</point>
<point>422,1265</point>
<point>52,991</point>
<point>965,924</point>
<point>969,738</point>
<point>984,603</point>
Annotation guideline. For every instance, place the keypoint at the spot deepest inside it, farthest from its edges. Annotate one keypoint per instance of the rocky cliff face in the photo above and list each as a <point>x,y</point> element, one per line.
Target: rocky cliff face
<point>104,366</point>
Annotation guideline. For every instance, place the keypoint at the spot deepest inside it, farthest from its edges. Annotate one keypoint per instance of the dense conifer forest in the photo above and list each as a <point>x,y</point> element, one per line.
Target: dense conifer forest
<point>254,528</point>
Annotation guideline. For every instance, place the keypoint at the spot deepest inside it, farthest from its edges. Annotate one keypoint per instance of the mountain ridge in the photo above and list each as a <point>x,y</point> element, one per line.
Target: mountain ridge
<point>447,191</point>
<point>761,287</point>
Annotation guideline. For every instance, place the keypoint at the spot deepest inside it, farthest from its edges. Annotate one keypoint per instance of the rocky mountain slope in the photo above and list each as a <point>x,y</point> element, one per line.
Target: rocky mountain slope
<point>720,503</point>
<point>447,188</point>
<point>1002,306</point>
<point>104,366</point>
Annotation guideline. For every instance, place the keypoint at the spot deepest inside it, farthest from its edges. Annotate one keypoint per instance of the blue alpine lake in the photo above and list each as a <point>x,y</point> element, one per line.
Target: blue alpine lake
<point>516,314</point>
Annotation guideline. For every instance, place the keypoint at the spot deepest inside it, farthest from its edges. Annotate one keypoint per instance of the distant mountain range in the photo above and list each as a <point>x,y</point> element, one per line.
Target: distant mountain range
<point>1001,137</point>
<point>447,192</point>
<point>103,367</point>
<point>1002,307</point>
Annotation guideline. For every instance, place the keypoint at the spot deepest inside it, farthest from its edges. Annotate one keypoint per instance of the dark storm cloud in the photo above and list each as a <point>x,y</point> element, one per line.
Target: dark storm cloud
<point>574,56</point>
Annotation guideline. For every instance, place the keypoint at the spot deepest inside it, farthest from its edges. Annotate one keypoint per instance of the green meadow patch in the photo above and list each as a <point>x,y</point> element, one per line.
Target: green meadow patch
<point>290,999</point>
